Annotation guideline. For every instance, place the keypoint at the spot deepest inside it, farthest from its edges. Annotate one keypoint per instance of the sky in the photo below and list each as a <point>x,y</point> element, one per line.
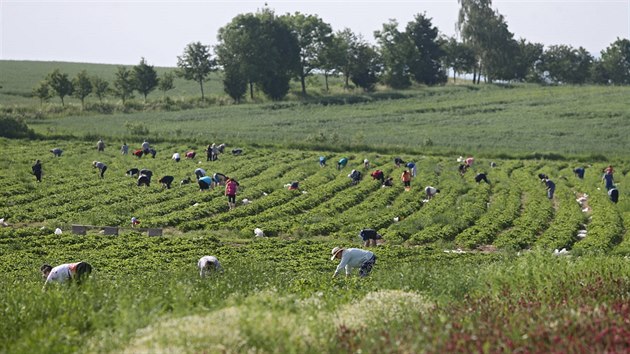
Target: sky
<point>122,32</point>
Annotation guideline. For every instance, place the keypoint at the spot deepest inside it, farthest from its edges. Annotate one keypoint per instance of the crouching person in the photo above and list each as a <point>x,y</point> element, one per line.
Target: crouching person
<point>208,264</point>
<point>166,181</point>
<point>353,258</point>
<point>65,272</point>
<point>369,236</point>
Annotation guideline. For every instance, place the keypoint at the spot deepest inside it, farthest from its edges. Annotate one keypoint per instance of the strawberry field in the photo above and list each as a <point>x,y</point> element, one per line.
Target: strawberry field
<point>472,269</point>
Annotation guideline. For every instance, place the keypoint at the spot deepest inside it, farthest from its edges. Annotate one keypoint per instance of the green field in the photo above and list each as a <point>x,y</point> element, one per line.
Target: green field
<point>472,270</point>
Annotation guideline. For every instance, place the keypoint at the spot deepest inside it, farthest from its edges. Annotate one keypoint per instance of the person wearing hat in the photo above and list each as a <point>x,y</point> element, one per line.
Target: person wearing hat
<point>353,258</point>
<point>101,166</point>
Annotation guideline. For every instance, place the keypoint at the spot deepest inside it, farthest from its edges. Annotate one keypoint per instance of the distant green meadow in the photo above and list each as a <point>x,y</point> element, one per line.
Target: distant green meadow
<point>479,268</point>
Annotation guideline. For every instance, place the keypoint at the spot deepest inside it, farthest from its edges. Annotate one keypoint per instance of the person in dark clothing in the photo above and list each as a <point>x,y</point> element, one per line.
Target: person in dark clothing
<point>481,177</point>
<point>37,170</point>
<point>462,169</point>
<point>152,152</point>
<point>144,180</point>
<point>369,236</point>
<point>101,166</point>
<point>147,173</point>
<point>608,180</point>
<point>205,183</point>
<point>551,188</point>
<point>613,194</point>
<point>542,177</point>
<point>186,180</point>
<point>398,161</point>
<point>579,172</point>
<point>166,181</point>
<point>356,176</point>
<point>132,172</point>
<point>295,185</point>
<point>237,152</point>
<point>389,182</point>
<point>56,152</point>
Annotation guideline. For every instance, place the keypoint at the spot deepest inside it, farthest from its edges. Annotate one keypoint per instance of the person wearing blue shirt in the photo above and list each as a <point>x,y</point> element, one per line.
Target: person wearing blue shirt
<point>551,188</point>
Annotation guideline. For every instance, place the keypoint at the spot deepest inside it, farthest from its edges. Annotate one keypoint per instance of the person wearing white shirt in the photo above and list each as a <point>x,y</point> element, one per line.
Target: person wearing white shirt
<point>353,258</point>
<point>65,272</point>
<point>176,157</point>
<point>207,264</point>
<point>431,192</point>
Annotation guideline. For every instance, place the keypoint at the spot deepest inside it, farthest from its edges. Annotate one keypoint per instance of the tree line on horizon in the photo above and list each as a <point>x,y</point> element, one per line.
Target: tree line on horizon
<point>266,51</point>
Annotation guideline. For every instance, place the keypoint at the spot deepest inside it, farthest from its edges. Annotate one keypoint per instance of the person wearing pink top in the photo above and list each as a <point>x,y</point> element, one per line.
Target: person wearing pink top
<point>231,187</point>
<point>469,161</point>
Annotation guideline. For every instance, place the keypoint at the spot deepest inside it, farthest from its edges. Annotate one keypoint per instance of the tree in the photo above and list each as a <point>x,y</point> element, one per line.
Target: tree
<point>144,78</point>
<point>459,56</point>
<point>366,66</point>
<point>165,83</point>
<point>528,57</point>
<point>330,57</point>
<point>347,43</point>
<point>565,64</point>
<point>426,61</point>
<point>262,49</point>
<point>101,87</point>
<point>123,84</point>
<point>312,34</point>
<point>60,83</point>
<point>42,91</point>
<point>196,64</point>
<point>615,61</point>
<point>397,52</point>
<point>234,82</point>
<point>82,87</point>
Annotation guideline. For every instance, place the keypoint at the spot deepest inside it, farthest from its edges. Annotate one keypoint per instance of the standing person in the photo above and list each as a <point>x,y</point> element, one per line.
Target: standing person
<point>214,152</point>
<point>613,194</point>
<point>412,167</point>
<point>200,172</point>
<point>190,154</point>
<point>481,177</point>
<point>65,272</point>
<point>205,183</point>
<point>431,192</point>
<point>124,149</point>
<point>56,152</point>
<point>208,264</point>
<point>322,161</point>
<point>342,163</point>
<point>100,146</point>
<point>145,147</point>
<point>176,157</point>
<point>37,170</point>
<point>353,258</point>
<point>551,188</point>
<point>366,164</point>
<point>398,161</point>
<point>101,166</point>
<point>379,175</point>
<point>166,181</point>
<point>369,236</point>
<point>231,187</point>
<point>608,180</point>
<point>406,179</point>
<point>579,172</point>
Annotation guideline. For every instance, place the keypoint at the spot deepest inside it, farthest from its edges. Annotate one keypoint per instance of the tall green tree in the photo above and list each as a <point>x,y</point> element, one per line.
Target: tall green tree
<point>234,82</point>
<point>196,64</point>
<point>426,61</point>
<point>82,87</point>
<point>459,56</point>
<point>347,42</point>
<point>42,91</point>
<point>313,35</point>
<point>145,78</point>
<point>124,84</point>
<point>166,83</point>
<point>565,64</point>
<point>528,57</point>
<point>366,66</point>
<point>615,60</point>
<point>101,87</point>
<point>397,52</point>
<point>60,83</point>
<point>331,56</point>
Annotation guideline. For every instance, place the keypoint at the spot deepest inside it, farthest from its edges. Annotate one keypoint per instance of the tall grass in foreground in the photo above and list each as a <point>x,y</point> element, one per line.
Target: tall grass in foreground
<point>277,296</point>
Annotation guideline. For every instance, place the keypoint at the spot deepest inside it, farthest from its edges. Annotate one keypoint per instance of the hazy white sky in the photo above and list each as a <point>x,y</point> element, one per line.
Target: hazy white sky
<point>121,32</point>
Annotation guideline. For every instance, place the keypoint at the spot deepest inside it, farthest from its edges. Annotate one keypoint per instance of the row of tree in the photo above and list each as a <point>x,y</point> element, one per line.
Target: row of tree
<point>265,51</point>
<point>142,78</point>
